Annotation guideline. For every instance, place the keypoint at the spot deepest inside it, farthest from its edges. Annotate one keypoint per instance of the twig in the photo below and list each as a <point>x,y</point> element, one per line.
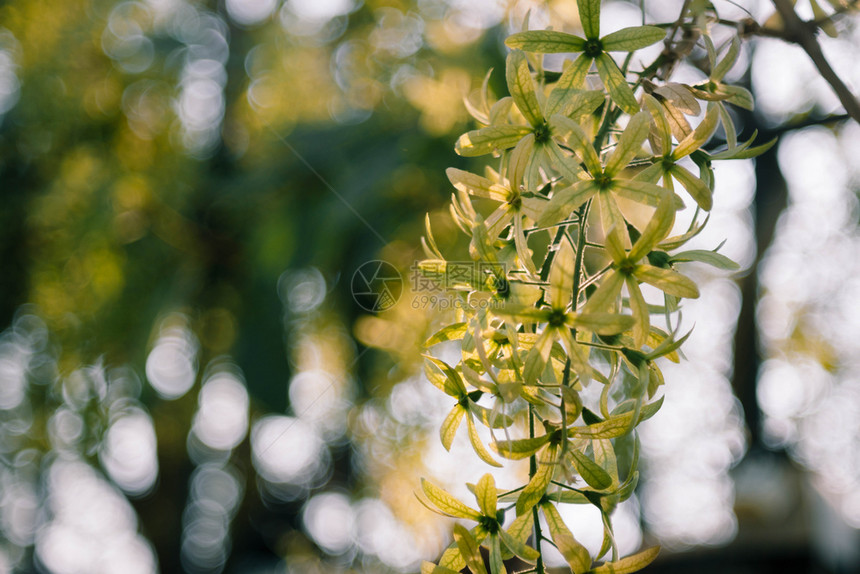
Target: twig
<point>801,33</point>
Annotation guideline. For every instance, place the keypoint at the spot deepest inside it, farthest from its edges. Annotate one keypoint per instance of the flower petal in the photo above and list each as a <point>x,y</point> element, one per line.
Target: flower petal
<point>522,87</point>
<point>616,84</point>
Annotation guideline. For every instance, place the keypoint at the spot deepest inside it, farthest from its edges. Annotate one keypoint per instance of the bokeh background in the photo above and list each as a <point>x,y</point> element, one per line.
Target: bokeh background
<point>187,385</point>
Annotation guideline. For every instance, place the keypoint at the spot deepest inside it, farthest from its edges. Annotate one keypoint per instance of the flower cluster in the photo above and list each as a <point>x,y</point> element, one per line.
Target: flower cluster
<point>564,267</point>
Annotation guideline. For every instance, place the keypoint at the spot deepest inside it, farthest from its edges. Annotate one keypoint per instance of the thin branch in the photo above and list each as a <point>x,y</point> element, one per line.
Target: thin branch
<point>803,34</point>
<point>839,12</point>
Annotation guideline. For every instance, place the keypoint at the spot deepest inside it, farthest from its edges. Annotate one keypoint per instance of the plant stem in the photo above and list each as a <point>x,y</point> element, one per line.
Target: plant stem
<point>564,223</point>
<point>539,567</point>
<point>550,254</point>
<point>580,251</point>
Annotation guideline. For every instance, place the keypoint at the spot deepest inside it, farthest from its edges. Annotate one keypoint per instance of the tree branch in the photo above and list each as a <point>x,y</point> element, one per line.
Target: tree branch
<point>801,33</point>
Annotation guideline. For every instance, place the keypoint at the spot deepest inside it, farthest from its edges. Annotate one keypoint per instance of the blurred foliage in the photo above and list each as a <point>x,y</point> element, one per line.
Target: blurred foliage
<point>202,175</point>
<point>189,187</point>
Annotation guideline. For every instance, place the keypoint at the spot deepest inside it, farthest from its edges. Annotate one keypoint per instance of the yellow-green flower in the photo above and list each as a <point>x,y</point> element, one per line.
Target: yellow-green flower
<point>559,316</point>
<point>604,181</point>
<point>628,268</point>
<point>466,551</point>
<point>594,49</point>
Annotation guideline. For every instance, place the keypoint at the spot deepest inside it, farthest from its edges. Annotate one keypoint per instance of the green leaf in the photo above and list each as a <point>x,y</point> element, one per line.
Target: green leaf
<point>545,42</point>
<point>477,445</point>
<point>723,67</point>
<point>646,410</point>
<point>449,428</point>
<point>538,484</point>
<point>575,554</point>
<point>453,332</point>
<point>469,549</point>
<point>616,425</point>
<point>615,83</point>
<point>490,139</point>
<point>668,281</point>
<point>589,16</point>
<point>630,39</point>
<point>629,564</point>
<point>718,260</point>
<point>564,201</point>
<point>572,134</point>
<point>520,448</point>
<point>603,323</point>
<point>522,88</point>
<point>447,503</point>
<point>698,189</point>
<point>629,144</point>
<point>591,472</point>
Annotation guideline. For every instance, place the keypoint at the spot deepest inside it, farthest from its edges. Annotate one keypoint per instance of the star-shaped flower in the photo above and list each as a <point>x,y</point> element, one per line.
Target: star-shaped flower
<point>450,382</point>
<point>603,180</point>
<point>667,166</point>
<point>594,49</point>
<point>533,142</point>
<point>466,551</point>
<point>560,317</point>
<point>515,206</point>
<point>628,268</point>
